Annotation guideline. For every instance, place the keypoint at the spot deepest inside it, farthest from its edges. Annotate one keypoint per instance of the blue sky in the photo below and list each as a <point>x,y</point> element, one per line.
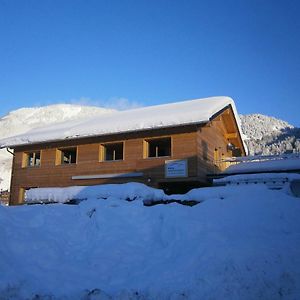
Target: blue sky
<point>151,52</point>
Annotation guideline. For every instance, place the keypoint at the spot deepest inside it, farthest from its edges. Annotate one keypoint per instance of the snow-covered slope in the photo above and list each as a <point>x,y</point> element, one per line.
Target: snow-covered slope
<point>25,119</point>
<point>242,242</point>
<point>268,135</point>
<point>256,126</point>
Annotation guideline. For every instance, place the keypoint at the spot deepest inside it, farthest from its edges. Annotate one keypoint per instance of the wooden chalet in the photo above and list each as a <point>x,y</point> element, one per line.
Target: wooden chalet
<point>171,146</point>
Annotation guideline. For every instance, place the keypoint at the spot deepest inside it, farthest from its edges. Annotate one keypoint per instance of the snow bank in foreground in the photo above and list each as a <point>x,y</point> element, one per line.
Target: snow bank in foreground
<point>241,243</point>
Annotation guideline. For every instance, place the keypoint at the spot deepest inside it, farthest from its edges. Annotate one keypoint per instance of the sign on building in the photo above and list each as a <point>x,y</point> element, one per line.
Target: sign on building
<point>176,168</point>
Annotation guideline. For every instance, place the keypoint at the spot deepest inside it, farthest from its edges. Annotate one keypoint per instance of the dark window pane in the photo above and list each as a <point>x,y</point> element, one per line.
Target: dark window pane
<point>34,159</point>
<point>113,151</point>
<point>37,161</point>
<point>109,154</point>
<point>159,147</point>
<point>68,156</point>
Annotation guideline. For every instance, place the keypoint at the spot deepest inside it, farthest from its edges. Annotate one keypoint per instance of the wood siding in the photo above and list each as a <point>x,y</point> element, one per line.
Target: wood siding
<point>49,174</point>
<point>212,141</point>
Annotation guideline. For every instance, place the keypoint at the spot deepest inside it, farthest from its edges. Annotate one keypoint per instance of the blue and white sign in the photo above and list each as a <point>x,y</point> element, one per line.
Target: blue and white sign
<point>176,168</point>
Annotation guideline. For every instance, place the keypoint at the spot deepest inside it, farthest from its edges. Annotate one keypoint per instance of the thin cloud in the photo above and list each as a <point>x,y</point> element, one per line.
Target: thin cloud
<point>84,101</point>
<point>118,103</point>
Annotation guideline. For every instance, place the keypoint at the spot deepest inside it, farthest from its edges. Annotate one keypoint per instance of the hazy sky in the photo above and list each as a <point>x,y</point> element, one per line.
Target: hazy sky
<point>127,53</point>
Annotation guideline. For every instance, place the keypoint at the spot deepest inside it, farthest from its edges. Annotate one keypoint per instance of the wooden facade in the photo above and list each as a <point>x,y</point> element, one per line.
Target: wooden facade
<point>199,145</point>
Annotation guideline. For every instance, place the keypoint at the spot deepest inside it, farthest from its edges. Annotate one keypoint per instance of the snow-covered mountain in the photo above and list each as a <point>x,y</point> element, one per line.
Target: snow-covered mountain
<point>25,119</point>
<point>266,135</point>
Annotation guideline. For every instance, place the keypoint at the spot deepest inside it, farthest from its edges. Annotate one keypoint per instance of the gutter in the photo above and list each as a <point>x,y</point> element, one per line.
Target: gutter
<point>7,149</point>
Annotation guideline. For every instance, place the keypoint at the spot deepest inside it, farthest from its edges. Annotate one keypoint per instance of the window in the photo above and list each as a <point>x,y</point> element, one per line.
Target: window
<point>158,147</point>
<point>111,152</point>
<point>32,159</point>
<point>66,156</point>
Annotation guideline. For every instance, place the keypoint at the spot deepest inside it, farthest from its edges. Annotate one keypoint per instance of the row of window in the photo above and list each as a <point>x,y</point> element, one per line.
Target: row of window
<point>158,147</point>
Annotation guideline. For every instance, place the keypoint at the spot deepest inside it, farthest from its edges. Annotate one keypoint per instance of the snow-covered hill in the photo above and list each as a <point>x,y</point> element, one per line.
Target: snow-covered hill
<point>25,119</point>
<point>266,135</point>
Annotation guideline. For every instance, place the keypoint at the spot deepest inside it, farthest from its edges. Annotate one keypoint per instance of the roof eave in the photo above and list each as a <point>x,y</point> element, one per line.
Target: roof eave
<point>13,146</point>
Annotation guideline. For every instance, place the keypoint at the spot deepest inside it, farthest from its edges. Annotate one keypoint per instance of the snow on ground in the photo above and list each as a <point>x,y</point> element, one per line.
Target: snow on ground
<point>289,181</point>
<point>259,177</point>
<point>242,242</point>
<point>128,191</point>
<point>279,164</point>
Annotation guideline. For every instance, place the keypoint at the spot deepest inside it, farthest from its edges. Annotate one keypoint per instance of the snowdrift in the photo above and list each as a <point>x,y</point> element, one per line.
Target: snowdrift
<point>241,242</point>
<point>132,191</point>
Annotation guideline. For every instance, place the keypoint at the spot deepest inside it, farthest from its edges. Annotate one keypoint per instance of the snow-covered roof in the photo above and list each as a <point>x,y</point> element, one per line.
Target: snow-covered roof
<point>152,117</point>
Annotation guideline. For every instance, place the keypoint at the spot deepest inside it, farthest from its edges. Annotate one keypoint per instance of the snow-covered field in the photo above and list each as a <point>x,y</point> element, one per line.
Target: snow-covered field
<point>241,242</point>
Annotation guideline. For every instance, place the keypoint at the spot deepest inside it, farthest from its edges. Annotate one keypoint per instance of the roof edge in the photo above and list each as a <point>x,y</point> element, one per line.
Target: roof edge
<point>13,146</point>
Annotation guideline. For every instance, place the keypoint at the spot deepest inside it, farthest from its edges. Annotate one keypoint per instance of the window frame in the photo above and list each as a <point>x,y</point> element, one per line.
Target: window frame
<point>59,156</point>
<point>146,147</point>
<point>26,159</point>
<point>102,151</point>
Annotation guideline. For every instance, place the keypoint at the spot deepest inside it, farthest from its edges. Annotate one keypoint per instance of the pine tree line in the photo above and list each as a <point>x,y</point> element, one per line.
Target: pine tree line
<point>268,135</point>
